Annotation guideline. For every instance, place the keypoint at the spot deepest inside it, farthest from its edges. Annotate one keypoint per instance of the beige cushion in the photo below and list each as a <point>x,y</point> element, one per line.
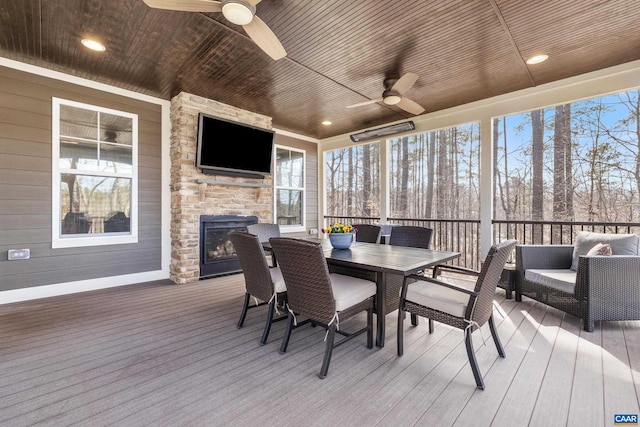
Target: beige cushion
<point>560,279</point>
<point>621,244</point>
<point>600,249</point>
<point>349,291</point>
<point>438,297</point>
<point>277,279</point>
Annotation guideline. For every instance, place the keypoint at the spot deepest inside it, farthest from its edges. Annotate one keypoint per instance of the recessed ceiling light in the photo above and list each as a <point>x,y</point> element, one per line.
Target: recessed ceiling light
<point>537,59</point>
<point>327,122</point>
<point>93,45</point>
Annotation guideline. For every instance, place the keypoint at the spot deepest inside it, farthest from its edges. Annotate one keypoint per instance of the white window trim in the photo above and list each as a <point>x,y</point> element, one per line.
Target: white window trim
<point>291,228</point>
<point>57,241</point>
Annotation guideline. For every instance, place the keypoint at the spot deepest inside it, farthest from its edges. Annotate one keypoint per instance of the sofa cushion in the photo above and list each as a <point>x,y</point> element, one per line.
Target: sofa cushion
<point>560,279</point>
<point>621,244</point>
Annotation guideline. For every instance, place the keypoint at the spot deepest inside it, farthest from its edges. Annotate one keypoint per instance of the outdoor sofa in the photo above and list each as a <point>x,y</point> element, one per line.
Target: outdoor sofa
<point>597,278</point>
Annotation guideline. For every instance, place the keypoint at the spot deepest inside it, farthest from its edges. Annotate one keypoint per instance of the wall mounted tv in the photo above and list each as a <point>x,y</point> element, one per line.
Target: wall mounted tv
<point>231,148</point>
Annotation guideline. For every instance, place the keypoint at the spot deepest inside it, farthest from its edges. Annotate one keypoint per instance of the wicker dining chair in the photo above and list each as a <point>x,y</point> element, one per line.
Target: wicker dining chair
<point>261,281</point>
<point>458,305</point>
<point>368,233</point>
<point>265,231</point>
<point>323,298</point>
<point>410,235</point>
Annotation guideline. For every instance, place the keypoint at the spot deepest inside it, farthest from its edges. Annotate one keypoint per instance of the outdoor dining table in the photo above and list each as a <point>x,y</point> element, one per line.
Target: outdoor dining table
<point>387,265</point>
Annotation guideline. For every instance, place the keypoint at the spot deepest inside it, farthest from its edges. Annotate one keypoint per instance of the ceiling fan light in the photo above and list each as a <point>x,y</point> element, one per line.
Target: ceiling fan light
<point>238,12</point>
<point>392,99</point>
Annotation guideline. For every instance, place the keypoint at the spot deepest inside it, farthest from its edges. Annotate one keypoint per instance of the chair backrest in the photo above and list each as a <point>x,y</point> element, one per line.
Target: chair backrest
<point>487,282</point>
<point>306,275</point>
<point>264,231</point>
<point>253,263</point>
<point>368,233</point>
<point>410,235</point>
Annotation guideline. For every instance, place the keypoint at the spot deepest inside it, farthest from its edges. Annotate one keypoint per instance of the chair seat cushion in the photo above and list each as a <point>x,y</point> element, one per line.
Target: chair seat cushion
<point>438,297</point>
<point>348,291</point>
<point>560,279</point>
<point>277,279</point>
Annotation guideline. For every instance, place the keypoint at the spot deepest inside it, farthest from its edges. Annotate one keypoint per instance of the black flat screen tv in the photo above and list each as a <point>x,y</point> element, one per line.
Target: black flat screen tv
<point>231,148</point>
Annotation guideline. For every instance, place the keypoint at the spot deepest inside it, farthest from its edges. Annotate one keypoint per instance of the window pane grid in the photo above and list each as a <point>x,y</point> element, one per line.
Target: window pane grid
<point>289,187</point>
<point>95,170</point>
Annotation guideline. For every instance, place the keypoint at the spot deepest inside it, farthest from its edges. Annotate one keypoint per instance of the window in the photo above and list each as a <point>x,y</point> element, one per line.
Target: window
<point>435,174</point>
<point>94,175</point>
<point>289,189</point>
<point>353,181</point>
<point>570,162</point>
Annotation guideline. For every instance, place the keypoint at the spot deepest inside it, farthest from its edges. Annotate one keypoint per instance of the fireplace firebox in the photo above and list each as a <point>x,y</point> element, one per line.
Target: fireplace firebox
<point>217,255</point>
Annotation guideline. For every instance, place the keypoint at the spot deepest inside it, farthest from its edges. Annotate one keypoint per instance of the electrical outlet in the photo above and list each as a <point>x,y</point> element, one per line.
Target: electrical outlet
<point>313,231</point>
<point>13,254</point>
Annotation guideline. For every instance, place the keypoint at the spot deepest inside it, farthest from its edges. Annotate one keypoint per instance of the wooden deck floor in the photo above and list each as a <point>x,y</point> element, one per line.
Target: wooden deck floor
<point>170,355</point>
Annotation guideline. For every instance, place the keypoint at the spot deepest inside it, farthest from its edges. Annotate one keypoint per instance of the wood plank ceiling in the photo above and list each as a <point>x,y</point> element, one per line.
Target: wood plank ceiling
<point>339,52</point>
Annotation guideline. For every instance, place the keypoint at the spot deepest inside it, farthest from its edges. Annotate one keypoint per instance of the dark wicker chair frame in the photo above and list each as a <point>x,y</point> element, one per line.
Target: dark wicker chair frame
<point>606,286</point>
<point>265,231</point>
<point>368,233</point>
<point>257,278</point>
<point>479,309</point>
<point>309,294</point>
<point>410,235</point>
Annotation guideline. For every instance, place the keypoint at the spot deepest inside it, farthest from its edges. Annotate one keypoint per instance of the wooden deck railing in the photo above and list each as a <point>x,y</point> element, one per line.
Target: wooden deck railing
<point>464,235</point>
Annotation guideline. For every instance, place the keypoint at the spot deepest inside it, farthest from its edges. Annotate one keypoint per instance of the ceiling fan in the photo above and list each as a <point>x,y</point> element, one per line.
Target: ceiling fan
<point>239,12</point>
<point>394,94</point>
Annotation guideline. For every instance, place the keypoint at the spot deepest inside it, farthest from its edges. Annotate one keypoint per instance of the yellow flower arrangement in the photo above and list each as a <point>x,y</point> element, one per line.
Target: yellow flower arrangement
<point>338,227</point>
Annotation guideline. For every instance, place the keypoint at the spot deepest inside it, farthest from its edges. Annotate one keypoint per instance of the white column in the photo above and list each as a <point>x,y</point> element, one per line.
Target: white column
<point>486,186</point>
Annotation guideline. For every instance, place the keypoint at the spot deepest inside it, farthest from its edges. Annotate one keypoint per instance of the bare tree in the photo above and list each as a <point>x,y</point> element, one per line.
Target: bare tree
<point>562,167</point>
<point>497,174</point>
<point>334,163</point>
<point>431,159</point>
<point>404,176</point>
<point>441,189</point>
<point>630,125</point>
<point>366,180</point>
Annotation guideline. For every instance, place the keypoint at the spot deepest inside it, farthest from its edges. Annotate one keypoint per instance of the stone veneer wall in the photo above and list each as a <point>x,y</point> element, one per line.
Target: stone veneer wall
<point>190,199</point>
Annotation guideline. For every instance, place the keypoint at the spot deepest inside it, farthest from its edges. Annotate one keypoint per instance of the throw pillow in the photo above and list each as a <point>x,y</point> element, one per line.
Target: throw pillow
<point>600,249</point>
<point>621,244</point>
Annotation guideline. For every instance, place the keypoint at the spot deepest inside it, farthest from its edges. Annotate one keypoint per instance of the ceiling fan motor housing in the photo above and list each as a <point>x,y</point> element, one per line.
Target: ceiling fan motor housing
<point>389,82</point>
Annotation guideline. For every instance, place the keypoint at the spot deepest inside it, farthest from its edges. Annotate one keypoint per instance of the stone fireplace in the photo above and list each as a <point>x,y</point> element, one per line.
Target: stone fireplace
<point>217,255</point>
<point>194,194</point>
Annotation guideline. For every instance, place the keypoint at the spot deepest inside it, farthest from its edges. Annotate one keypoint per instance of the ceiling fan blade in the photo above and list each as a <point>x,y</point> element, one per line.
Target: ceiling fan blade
<point>262,35</point>
<point>360,104</point>
<point>186,5</point>
<point>253,2</point>
<point>410,106</point>
<point>404,83</point>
